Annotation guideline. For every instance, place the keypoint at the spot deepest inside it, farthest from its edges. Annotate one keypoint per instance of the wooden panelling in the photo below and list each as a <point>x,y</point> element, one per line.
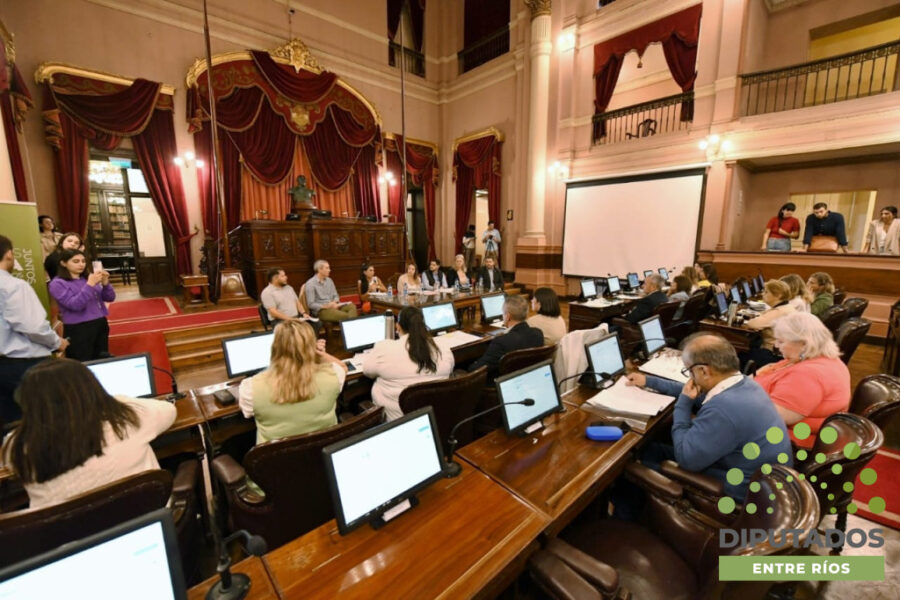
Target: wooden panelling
<point>525,260</point>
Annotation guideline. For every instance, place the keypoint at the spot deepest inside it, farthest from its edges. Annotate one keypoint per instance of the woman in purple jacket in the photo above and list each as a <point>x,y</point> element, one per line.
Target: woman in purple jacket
<point>81,298</point>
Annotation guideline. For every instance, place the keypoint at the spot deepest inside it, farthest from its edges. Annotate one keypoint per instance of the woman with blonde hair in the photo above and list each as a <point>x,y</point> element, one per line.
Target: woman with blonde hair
<point>298,392</point>
<point>410,280</point>
<point>692,276</point>
<point>459,274</point>
<point>821,286</point>
<point>811,382</point>
<point>776,294</point>
<point>801,298</point>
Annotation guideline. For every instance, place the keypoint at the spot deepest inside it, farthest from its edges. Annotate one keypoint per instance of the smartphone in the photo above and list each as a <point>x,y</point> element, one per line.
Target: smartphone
<point>97,266</point>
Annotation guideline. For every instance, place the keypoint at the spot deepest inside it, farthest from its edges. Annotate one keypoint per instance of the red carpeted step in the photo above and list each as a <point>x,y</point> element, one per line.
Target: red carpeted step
<point>145,308</point>
<point>185,321</point>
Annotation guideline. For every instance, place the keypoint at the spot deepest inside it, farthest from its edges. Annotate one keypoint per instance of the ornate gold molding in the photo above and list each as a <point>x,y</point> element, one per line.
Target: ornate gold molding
<point>393,136</point>
<point>9,41</point>
<point>46,70</point>
<point>294,53</point>
<point>538,7</point>
<point>478,134</point>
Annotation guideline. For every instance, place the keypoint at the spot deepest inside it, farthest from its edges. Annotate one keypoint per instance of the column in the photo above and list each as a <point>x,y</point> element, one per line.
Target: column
<point>538,106</point>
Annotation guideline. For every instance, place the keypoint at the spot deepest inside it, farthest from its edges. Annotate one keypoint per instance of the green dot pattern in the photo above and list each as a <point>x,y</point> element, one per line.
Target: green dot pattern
<point>820,457</point>
<point>771,496</point>
<point>766,469</point>
<point>831,496</point>
<point>783,457</point>
<point>836,468</point>
<point>734,476</point>
<point>778,485</point>
<point>823,485</point>
<point>851,451</point>
<point>848,486</point>
<point>750,508</point>
<point>828,435</point>
<point>877,505</point>
<point>852,508</point>
<point>754,487</point>
<point>813,478</point>
<point>868,476</point>
<point>790,479</point>
<point>774,435</point>
<point>751,451</point>
<point>770,510</point>
<point>833,510</point>
<point>726,505</point>
<point>802,454</point>
<point>801,431</point>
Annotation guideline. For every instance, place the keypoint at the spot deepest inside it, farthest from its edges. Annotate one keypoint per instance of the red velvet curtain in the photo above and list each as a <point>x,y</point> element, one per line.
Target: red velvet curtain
<point>476,165</point>
<point>331,157</point>
<point>421,165</point>
<point>15,100</point>
<point>206,183</point>
<point>299,86</point>
<point>396,204</point>
<point>368,196</point>
<point>678,33</point>
<point>70,167</point>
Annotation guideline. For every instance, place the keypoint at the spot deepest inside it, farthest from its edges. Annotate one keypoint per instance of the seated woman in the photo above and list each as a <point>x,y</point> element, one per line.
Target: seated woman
<point>82,299</point>
<point>409,281</point>
<point>397,364</point>
<point>546,304</point>
<point>681,291</point>
<point>434,279</point>
<point>801,298</point>
<point>776,294</point>
<point>703,280</point>
<point>812,382</point>
<point>693,277</point>
<point>459,274</point>
<point>821,286</point>
<point>74,437</point>
<point>298,392</point>
<point>368,282</point>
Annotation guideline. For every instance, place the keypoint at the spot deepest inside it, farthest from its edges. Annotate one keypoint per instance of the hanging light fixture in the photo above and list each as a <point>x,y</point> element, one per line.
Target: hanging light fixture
<point>188,159</point>
<point>388,177</point>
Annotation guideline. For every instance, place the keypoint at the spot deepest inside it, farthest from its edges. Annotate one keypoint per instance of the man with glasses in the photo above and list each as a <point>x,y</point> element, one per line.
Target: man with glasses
<point>718,412</point>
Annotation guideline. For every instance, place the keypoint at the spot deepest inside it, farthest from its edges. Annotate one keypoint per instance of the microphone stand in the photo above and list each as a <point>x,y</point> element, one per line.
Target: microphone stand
<point>453,469</point>
<point>175,395</point>
<point>603,377</point>
<point>233,586</point>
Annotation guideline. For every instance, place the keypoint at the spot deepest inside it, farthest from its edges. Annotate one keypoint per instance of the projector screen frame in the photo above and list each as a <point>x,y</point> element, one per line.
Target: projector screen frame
<point>690,172</point>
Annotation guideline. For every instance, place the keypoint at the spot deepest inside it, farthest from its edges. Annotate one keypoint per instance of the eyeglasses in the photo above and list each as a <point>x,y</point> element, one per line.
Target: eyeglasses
<point>687,370</point>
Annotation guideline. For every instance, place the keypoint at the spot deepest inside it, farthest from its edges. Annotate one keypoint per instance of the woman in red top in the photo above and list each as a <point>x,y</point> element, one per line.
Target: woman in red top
<point>811,383</point>
<point>781,230</point>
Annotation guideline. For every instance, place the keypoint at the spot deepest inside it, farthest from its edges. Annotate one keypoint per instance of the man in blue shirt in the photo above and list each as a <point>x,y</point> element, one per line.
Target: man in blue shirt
<point>717,414</point>
<point>824,222</point>
<point>25,335</point>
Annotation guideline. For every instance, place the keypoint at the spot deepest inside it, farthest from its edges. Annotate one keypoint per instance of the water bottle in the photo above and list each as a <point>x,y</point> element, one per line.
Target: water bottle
<point>732,311</point>
<point>456,287</point>
<point>390,291</point>
<point>388,325</point>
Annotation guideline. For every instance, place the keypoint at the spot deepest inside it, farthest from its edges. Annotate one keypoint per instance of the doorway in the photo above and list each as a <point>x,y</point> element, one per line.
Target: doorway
<point>415,227</point>
<point>481,221</point>
<point>125,231</point>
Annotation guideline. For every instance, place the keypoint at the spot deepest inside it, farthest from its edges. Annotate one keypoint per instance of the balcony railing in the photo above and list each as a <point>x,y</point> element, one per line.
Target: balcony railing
<point>413,61</point>
<point>845,77</point>
<point>488,48</point>
<point>656,117</point>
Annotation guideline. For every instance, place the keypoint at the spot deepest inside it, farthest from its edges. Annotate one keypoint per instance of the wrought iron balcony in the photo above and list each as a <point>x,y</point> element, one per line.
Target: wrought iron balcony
<point>488,48</point>
<point>412,60</point>
<point>665,115</point>
<point>845,77</point>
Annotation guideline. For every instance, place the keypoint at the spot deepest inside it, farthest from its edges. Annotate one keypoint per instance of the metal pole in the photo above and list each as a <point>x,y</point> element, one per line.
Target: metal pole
<point>403,191</point>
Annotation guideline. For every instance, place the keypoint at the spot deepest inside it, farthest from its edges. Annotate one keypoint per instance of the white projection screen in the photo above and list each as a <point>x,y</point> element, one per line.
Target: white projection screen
<point>622,225</point>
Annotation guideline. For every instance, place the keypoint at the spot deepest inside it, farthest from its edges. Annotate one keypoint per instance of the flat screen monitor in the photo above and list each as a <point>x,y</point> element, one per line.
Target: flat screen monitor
<point>762,282</point>
<point>362,333</point>
<point>722,303</point>
<point>138,560</point>
<point>440,317</point>
<point>588,289</point>
<point>247,354</point>
<point>604,356</point>
<point>652,332</point>
<point>612,283</point>
<point>648,273</point>
<point>125,375</point>
<point>492,307</point>
<point>633,281</point>
<point>746,287</point>
<point>664,273</point>
<point>374,470</point>
<point>536,382</point>
<point>735,294</point>
<point>754,285</point>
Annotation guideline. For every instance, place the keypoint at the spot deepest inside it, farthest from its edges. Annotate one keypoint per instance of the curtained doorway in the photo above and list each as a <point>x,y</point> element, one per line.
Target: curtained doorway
<point>415,223</point>
<point>125,231</point>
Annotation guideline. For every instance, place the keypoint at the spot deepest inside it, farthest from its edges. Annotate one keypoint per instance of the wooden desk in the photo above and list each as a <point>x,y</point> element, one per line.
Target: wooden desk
<point>468,537</point>
<point>261,586</point>
<point>582,316</point>
<point>224,420</point>
<point>557,470</point>
<point>739,336</point>
<point>182,436</point>
<point>461,300</point>
<point>639,424</point>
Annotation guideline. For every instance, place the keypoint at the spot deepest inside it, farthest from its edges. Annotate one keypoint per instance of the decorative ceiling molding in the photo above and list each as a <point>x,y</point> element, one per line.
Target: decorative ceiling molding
<point>393,136</point>
<point>478,134</point>
<point>46,70</point>
<point>777,5</point>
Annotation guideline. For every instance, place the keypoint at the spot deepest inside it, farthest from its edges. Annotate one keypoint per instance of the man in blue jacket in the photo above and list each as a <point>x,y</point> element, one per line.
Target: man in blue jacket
<point>718,412</point>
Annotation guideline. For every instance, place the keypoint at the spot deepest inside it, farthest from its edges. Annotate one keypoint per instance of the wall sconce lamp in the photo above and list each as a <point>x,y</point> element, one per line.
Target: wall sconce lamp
<point>566,41</point>
<point>189,159</point>
<point>716,147</point>
<point>558,170</point>
<point>387,177</point>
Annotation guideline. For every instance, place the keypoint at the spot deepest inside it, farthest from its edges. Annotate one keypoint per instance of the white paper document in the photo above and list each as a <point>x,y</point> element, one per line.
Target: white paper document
<point>665,366</point>
<point>453,339</point>
<point>600,303</point>
<point>630,399</point>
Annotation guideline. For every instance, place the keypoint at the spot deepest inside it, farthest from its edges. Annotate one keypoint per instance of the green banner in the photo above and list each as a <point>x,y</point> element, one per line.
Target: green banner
<point>801,568</point>
<point>19,223</point>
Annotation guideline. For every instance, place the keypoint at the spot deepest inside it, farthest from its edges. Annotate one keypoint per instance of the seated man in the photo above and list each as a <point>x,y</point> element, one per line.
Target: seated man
<point>653,297</point>
<point>518,336</point>
<point>279,298</point>
<point>489,276</point>
<point>717,414</point>
<point>322,297</point>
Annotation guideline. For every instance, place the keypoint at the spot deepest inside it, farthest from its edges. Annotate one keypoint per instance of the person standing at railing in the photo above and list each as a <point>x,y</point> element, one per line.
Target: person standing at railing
<point>884,234</point>
<point>781,230</point>
<point>825,230</point>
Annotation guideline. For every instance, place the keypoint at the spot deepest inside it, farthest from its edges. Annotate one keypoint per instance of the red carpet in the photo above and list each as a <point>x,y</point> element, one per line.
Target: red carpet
<point>182,321</point>
<point>886,465</point>
<point>145,308</point>
<point>153,342</point>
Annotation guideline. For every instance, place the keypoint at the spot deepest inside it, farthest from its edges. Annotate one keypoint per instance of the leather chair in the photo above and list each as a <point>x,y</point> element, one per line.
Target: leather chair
<point>839,296</point>
<point>291,473</point>
<point>33,531</point>
<point>452,399</point>
<point>630,334</point>
<point>676,555</point>
<point>326,325</point>
<point>833,316</point>
<point>264,317</point>
<point>855,307</point>
<point>694,310</point>
<point>849,335</point>
<point>850,428</point>
<point>877,398</point>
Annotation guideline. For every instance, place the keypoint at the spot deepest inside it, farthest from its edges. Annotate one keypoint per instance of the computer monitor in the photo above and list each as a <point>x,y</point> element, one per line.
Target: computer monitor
<point>605,356</point>
<point>633,281</point>
<point>754,285</point>
<point>762,282</point>
<point>648,273</point>
<point>363,332</point>
<point>138,560</point>
<point>130,375</point>
<point>492,307</point>
<point>746,287</point>
<point>536,382</point>
<point>664,273</point>
<point>652,332</point>
<point>722,303</point>
<point>440,317</point>
<point>735,294</point>
<point>588,289</point>
<point>373,471</point>
<point>612,283</point>
<point>247,354</point>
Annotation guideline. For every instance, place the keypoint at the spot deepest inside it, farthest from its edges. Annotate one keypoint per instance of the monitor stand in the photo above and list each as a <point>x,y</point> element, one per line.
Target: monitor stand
<point>381,519</point>
<point>536,426</point>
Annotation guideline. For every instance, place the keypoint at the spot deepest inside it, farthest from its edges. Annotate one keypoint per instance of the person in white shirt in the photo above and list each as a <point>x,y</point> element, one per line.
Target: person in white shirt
<point>75,437</point>
<point>397,364</point>
<point>491,240</point>
<point>279,298</point>
<point>801,297</point>
<point>410,279</point>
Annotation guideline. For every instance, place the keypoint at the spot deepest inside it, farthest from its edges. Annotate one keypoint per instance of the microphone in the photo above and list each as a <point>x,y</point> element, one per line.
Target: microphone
<point>234,586</point>
<point>668,341</point>
<point>453,469</point>
<point>175,395</point>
